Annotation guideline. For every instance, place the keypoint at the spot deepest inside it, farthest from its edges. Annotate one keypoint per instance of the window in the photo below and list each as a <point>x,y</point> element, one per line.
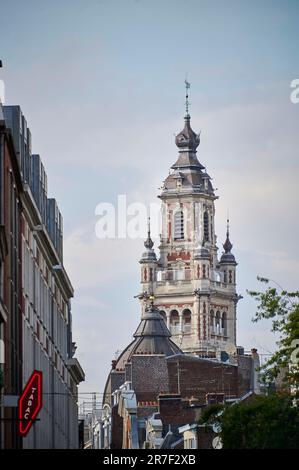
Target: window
<point>192,444</point>
<point>38,330</point>
<point>179,273</point>
<point>212,321</point>
<point>206,226</point>
<point>218,323</point>
<point>179,225</point>
<point>38,257</point>
<point>224,323</point>
<point>187,321</point>
<point>174,322</point>
<point>163,315</point>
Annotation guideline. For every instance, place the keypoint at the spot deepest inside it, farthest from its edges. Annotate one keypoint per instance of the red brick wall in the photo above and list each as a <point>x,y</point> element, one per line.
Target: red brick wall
<point>197,377</point>
<point>174,412</point>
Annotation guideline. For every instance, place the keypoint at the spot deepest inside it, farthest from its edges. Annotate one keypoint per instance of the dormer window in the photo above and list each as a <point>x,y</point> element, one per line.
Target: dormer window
<point>179,225</point>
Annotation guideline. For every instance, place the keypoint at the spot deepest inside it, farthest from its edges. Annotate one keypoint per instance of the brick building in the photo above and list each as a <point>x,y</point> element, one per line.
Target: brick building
<point>10,283</point>
<point>153,381</point>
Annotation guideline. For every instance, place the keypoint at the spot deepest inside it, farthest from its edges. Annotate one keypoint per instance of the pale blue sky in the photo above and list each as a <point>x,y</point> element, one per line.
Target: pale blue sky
<point>101,86</point>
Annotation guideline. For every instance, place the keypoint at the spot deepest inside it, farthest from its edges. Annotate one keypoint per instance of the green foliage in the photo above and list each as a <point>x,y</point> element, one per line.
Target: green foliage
<point>265,422</point>
<point>283,308</point>
<point>209,415</point>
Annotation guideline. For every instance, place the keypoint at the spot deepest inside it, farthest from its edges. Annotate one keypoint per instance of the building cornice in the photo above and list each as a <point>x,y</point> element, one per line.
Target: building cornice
<point>76,370</point>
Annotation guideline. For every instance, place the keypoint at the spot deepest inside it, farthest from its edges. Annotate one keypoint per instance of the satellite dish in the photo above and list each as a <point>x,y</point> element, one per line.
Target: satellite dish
<point>231,349</point>
<point>217,443</point>
<point>216,428</point>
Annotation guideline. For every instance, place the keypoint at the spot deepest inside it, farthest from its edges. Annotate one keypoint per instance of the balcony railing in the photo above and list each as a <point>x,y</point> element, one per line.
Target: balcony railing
<point>218,331</point>
<point>173,275</point>
<point>187,328</point>
<point>175,329</point>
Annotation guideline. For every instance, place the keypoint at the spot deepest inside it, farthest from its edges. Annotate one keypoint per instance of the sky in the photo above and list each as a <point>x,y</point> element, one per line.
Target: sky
<point>101,83</point>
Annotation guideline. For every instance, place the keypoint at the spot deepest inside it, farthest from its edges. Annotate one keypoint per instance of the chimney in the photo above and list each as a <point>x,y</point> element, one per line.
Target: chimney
<point>169,407</point>
<point>255,374</point>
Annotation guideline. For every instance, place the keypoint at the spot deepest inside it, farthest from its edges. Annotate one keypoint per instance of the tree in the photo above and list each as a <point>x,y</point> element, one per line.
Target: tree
<point>261,422</point>
<point>283,308</point>
<point>266,422</point>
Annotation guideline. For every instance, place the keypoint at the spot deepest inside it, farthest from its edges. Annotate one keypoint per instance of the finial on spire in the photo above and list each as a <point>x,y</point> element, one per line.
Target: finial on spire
<point>152,299</point>
<point>227,225</point>
<point>149,242</point>
<point>227,245</point>
<point>187,85</point>
<point>187,139</point>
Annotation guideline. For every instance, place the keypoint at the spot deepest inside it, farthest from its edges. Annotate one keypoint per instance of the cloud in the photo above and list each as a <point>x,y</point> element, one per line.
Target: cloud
<point>92,262</point>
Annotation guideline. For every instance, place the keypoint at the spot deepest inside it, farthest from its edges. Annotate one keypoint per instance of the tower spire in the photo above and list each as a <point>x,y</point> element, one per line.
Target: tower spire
<point>227,245</point>
<point>227,225</point>
<point>149,242</point>
<point>187,102</point>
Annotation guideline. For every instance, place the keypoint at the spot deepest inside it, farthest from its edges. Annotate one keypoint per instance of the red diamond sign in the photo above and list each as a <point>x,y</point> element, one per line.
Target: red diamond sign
<point>30,402</point>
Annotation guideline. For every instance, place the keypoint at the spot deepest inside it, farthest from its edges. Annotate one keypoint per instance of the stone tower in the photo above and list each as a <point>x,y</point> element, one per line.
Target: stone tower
<point>193,289</point>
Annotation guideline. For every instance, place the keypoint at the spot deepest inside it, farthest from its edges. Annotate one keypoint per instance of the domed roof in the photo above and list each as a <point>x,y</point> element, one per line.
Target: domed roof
<point>227,258</point>
<point>187,138</point>
<point>189,174</point>
<point>202,252</point>
<point>151,337</point>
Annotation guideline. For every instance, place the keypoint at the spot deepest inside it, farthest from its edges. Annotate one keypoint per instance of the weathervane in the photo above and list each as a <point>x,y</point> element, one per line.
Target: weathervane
<point>187,84</point>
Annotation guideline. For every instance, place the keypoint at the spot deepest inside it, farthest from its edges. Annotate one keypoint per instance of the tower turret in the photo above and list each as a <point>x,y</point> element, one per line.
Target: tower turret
<point>187,281</point>
<point>148,264</point>
<point>227,261</point>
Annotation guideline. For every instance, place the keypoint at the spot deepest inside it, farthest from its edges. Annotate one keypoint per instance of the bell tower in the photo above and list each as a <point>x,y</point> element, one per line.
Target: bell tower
<point>194,291</point>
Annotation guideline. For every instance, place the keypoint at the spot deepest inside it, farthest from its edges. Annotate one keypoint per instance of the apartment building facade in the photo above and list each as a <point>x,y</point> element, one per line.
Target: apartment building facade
<point>45,292</point>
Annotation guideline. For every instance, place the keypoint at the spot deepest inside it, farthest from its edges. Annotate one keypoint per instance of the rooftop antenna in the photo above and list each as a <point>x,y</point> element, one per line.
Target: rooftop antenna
<point>187,102</point>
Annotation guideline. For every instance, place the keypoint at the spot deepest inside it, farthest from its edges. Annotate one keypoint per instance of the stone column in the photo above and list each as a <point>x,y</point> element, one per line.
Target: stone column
<point>181,323</point>
<point>195,318</point>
